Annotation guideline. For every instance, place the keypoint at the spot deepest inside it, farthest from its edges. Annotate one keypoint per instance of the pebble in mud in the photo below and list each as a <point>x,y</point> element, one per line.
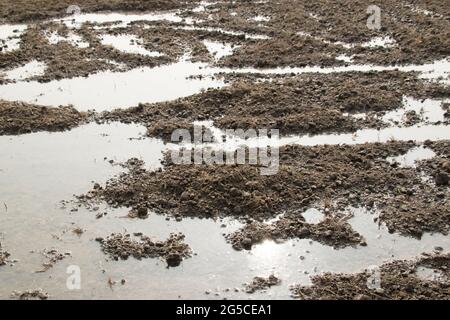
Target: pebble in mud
<point>122,246</point>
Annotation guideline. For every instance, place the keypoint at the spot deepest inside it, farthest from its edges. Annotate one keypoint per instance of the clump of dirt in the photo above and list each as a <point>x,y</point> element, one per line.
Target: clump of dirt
<point>4,255</point>
<point>339,176</point>
<point>398,281</point>
<point>52,256</point>
<point>20,118</point>
<point>297,105</point>
<point>25,11</point>
<point>332,231</point>
<point>261,283</point>
<point>122,246</point>
<point>30,294</point>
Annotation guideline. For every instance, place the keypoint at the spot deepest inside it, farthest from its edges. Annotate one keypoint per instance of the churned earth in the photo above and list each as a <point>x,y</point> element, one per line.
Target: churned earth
<point>398,280</point>
<point>90,97</point>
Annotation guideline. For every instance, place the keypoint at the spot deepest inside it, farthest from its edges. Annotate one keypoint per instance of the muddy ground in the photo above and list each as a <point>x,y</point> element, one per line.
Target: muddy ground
<point>296,34</point>
<point>20,118</point>
<point>399,281</point>
<point>297,105</point>
<point>409,201</point>
<point>29,11</point>
<point>332,176</point>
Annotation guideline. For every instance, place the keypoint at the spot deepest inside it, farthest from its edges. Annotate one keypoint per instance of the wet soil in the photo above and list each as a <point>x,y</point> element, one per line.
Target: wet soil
<point>332,176</point>
<point>38,294</point>
<point>4,255</point>
<point>332,231</point>
<point>297,105</point>
<point>430,209</point>
<point>122,246</point>
<point>261,283</point>
<point>399,281</point>
<point>297,34</point>
<point>28,11</point>
<point>20,118</point>
<point>418,37</point>
<point>409,200</point>
<point>52,256</point>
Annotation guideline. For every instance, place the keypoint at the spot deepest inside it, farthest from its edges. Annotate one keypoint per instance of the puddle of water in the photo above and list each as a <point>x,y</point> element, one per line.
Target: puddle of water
<point>412,156</point>
<point>416,133</point>
<point>10,36</point>
<point>313,216</point>
<point>31,69</point>
<point>261,18</point>
<point>229,32</point>
<point>41,169</point>
<point>203,5</point>
<point>345,58</point>
<point>430,109</point>
<point>436,70</point>
<point>122,19</point>
<point>109,90</point>
<point>72,38</point>
<point>128,44</point>
<point>384,42</point>
<point>429,274</point>
<point>218,49</point>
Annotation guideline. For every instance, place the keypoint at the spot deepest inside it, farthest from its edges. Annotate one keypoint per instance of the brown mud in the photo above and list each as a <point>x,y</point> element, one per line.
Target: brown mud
<point>298,34</point>
<point>19,118</point>
<point>4,255</point>
<point>15,11</point>
<point>332,231</point>
<point>297,105</point>
<point>335,177</point>
<point>399,281</point>
<point>122,246</point>
<point>292,24</point>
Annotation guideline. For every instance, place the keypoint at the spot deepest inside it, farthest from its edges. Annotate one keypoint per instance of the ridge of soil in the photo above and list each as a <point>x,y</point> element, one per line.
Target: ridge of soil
<point>19,118</point>
<point>313,103</point>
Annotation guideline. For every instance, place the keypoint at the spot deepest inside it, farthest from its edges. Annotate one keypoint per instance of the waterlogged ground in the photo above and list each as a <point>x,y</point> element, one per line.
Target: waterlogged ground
<point>88,104</point>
